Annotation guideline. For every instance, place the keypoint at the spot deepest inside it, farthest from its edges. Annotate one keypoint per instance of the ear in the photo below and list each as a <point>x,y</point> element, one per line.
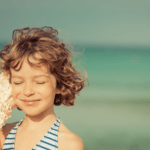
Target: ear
<point>58,91</point>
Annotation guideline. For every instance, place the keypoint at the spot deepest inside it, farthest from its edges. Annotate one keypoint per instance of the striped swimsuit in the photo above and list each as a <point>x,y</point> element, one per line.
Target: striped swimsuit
<point>48,142</point>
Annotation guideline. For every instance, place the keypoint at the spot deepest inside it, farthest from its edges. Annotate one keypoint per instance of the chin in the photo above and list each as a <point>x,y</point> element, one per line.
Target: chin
<point>31,113</point>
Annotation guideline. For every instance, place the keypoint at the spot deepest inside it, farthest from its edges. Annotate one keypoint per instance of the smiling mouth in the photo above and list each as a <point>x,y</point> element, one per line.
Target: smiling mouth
<point>30,100</point>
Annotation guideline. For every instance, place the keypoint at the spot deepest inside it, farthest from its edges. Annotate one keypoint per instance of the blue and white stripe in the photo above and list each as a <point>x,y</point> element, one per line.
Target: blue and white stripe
<point>48,142</point>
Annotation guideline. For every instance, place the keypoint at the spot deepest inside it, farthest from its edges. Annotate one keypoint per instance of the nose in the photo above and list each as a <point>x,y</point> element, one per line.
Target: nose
<point>28,89</point>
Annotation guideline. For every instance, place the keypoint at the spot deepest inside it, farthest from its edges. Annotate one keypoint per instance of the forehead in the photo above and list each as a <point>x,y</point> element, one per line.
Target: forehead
<point>26,68</point>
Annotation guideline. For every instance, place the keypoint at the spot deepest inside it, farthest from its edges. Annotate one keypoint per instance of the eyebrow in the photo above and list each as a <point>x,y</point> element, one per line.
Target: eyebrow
<point>36,76</point>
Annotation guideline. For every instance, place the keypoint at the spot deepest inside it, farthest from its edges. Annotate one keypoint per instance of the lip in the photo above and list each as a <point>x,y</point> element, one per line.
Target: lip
<point>30,102</point>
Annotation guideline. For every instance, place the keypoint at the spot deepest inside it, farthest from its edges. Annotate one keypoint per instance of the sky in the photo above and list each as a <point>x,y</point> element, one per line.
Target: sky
<point>97,22</point>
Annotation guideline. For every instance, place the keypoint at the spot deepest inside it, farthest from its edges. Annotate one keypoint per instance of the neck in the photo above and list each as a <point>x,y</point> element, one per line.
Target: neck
<point>44,120</point>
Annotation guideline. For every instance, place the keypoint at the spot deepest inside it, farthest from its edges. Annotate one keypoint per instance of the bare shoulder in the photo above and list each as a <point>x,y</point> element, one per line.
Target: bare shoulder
<point>67,140</point>
<point>4,131</point>
<point>7,127</point>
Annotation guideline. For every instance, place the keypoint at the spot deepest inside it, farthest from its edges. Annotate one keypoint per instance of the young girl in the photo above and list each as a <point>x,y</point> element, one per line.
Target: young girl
<point>41,75</point>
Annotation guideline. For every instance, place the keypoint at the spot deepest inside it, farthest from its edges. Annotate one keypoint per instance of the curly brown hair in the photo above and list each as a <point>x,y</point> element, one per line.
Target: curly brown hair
<point>27,42</point>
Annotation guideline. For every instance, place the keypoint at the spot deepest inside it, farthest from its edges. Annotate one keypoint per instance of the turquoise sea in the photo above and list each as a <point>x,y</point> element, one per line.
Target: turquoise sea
<point>113,111</point>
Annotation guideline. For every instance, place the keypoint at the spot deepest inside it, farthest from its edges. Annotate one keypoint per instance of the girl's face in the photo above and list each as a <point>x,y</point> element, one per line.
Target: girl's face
<point>26,85</point>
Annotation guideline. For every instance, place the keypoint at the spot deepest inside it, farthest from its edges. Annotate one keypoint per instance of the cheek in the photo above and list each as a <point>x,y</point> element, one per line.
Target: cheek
<point>47,96</point>
<point>49,93</point>
<point>14,93</point>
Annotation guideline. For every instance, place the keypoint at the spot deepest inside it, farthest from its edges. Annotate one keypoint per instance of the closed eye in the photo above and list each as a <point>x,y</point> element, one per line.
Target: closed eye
<point>20,83</point>
<point>41,83</point>
<point>17,83</point>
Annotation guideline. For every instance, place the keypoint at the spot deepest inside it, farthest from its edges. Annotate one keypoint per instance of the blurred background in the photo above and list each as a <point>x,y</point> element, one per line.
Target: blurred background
<point>113,38</point>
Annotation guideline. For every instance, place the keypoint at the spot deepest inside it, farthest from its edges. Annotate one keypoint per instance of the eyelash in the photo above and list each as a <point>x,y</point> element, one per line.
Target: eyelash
<point>20,83</point>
